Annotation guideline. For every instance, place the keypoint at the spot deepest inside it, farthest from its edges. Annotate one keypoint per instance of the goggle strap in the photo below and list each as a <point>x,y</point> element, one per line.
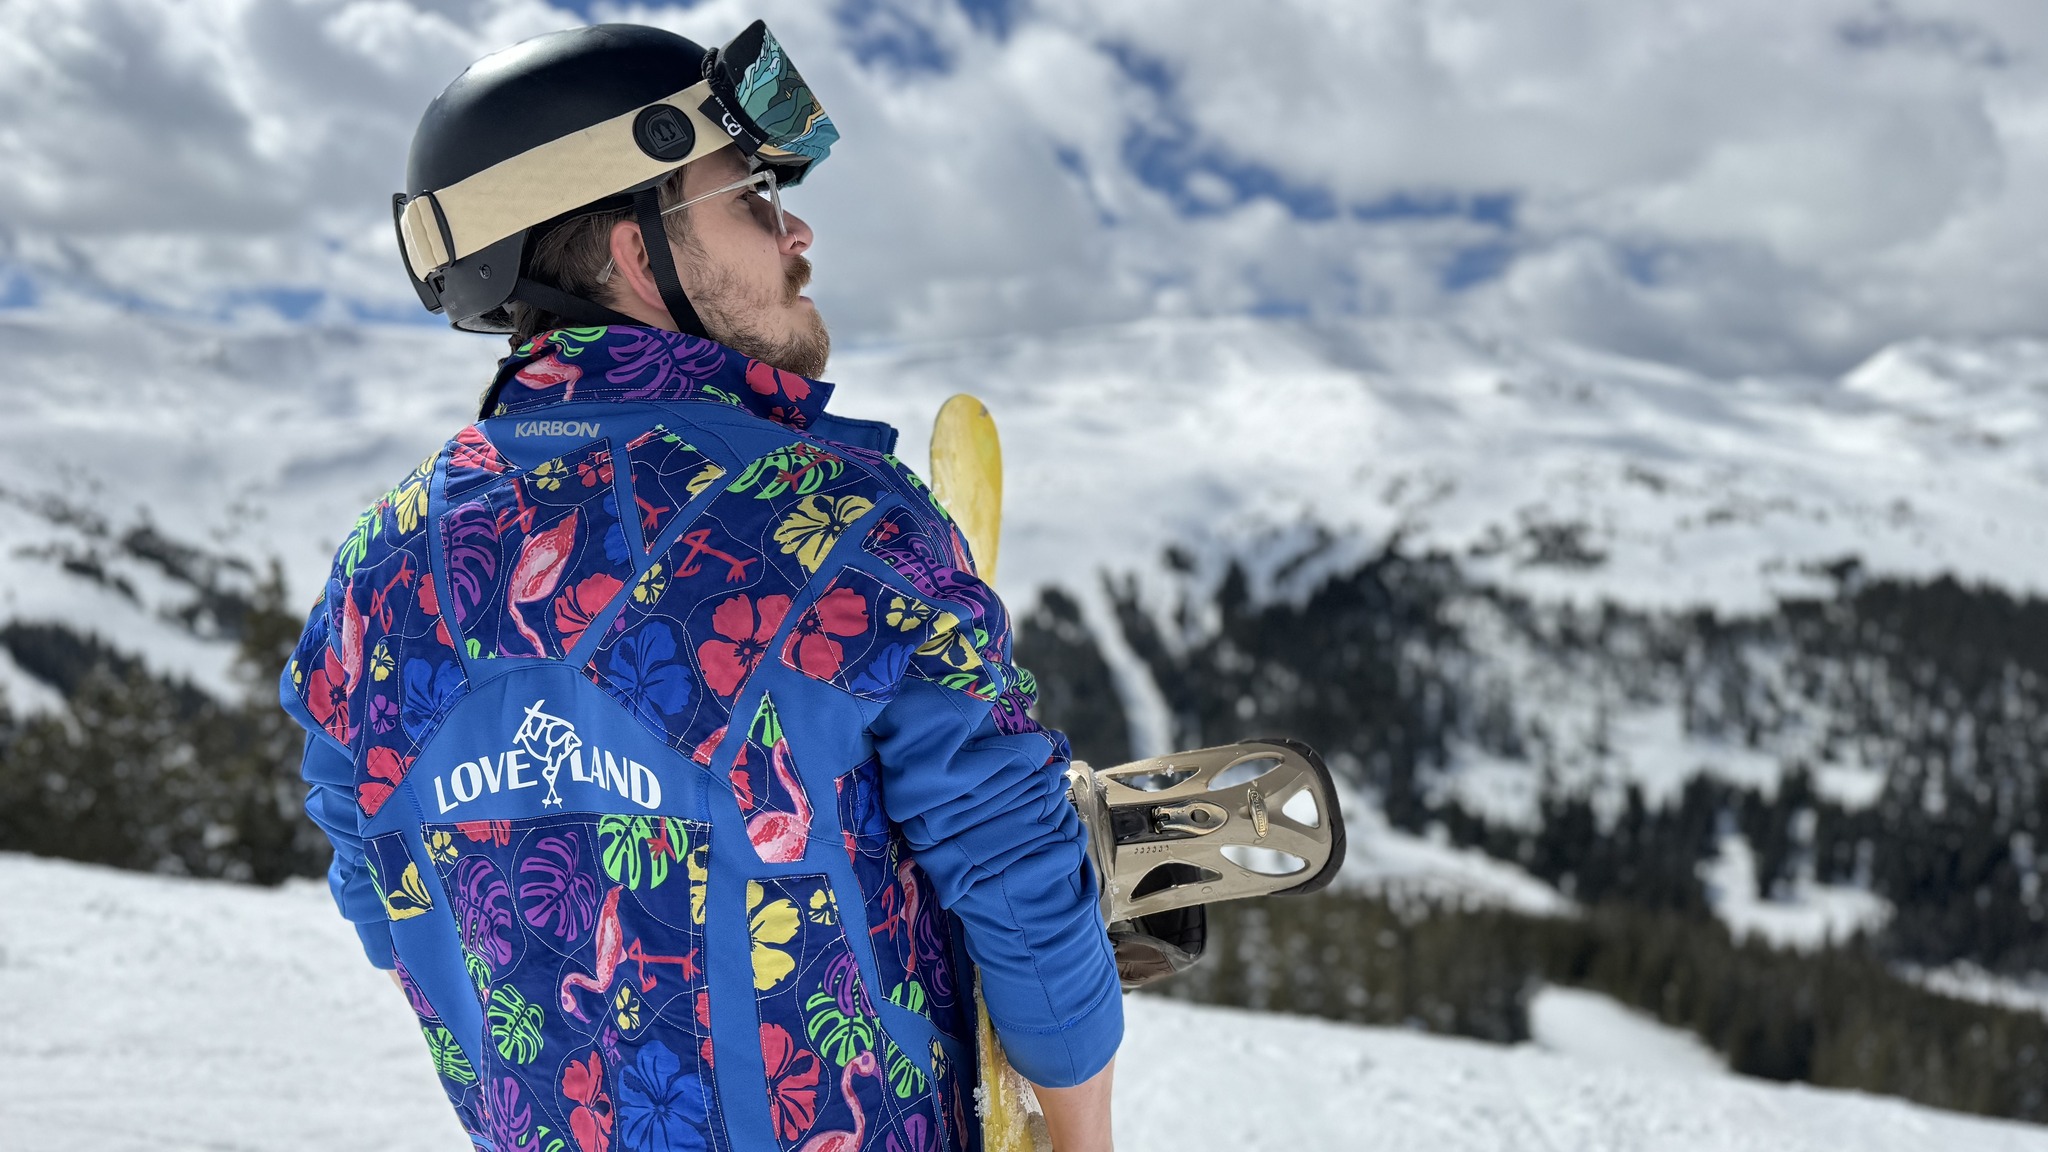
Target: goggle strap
<point>647,206</point>
<point>444,225</point>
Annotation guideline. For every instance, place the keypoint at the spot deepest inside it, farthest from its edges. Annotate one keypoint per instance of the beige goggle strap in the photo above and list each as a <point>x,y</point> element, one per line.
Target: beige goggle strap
<point>543,182</point>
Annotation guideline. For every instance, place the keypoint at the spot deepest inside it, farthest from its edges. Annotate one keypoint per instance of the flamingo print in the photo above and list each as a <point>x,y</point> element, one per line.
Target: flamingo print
<point>904,917</point>
<point>542,560</point>
<point>611,950</point>
<point>864,1064</point>
<point>780,837</point>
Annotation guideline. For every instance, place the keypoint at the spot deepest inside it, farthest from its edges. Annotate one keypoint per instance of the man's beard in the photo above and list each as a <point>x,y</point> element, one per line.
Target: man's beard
<point>733,315</point>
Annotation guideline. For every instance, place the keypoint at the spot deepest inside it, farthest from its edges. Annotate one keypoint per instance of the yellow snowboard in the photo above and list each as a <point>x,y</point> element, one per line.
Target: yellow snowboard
<point>967,477</point>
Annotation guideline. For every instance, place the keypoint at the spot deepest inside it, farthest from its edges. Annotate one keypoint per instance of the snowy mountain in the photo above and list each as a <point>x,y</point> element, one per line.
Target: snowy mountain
<point>1297,449</point>
<point>1573,628</point>
<point>237,1017</point>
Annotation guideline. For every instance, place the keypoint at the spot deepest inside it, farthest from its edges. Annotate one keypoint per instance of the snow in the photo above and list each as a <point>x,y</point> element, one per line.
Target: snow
<point>1963,980</point>
<point>152,1014</point>
<point>23,693</point>
<point>1385,861</point>
<point>1692,490</point>
<point>255,444</point>
<point>1806,917</point>
<point>1596,1029</point>
<point>1265,439</point>
<point>1195,1079</point>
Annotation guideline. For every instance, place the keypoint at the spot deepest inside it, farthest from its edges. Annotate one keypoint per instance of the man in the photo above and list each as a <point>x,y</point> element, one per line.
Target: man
<point>670,748</point>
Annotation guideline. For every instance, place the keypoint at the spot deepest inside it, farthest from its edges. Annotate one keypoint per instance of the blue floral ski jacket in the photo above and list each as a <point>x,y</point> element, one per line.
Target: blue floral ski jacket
<point>671,752</point>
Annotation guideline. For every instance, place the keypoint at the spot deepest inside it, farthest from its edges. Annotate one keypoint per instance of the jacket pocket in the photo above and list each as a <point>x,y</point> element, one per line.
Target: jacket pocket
<point>583,936</point>
<point>832,1067</point>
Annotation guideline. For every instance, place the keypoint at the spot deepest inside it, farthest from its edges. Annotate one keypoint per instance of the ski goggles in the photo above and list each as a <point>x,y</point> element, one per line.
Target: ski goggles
<point>750,97</point>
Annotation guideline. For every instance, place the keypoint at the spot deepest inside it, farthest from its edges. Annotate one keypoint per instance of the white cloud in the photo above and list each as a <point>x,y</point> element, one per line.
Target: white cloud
<point>1736,184</point>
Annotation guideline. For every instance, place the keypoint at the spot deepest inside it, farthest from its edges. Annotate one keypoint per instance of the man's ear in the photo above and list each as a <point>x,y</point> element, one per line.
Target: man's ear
<point>632,284</point>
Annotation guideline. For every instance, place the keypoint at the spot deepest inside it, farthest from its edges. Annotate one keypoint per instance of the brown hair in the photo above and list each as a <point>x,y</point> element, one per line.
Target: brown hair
<point>573,255</point>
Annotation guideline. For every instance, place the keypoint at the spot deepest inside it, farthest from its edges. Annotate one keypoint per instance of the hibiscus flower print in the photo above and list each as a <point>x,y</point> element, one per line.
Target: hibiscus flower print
<point>548,475</point>
<point>817,524</point>
<point>811,647</point>
<point>591,1122</point>
<point>383,714</point>
<point>327,696</point>
<point>389,769</point>
<point>661,1103</point>
<point>650,586</point>
<point>643,665</point>
<point>429,690</point>
<point>580,604</point>
<point>792,1083</point>
<point>770,923</point>
<point>744,627</point>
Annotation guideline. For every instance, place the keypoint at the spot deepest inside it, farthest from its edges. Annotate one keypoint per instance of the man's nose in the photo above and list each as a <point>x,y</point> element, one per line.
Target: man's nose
<point>796,235</point>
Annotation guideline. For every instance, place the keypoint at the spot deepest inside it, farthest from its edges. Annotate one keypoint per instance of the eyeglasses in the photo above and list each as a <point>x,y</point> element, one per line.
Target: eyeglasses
<point>764,197</point>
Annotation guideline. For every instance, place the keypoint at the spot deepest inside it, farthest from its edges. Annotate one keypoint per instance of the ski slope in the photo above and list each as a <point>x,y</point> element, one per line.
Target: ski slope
<point>151,1014</point>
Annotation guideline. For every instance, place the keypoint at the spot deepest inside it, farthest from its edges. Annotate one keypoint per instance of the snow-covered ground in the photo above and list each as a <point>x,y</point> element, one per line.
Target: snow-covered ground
<point>1594,1029</point>
<point>150,1014</point>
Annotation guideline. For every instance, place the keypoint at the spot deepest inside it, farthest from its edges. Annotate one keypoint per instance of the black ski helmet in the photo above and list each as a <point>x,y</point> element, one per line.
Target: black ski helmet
<point>585,120</point>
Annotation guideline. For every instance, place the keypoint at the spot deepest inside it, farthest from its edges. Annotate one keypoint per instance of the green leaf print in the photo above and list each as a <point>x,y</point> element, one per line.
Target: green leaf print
<point>833,1033</point>
<point>515,1025</point>
<point>904,1074</point>
<point>621,855</point>
<point>800,468</point>
<point>665,848</point>
<point>909,994</point>
<point>479,970</point>
<point>659,841</point>
<point>357,545</point>
<point>447,1055</point>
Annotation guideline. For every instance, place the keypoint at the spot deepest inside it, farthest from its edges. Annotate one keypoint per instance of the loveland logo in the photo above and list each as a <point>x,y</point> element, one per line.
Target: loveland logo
<point>550,740</point>
<point>546,744</point>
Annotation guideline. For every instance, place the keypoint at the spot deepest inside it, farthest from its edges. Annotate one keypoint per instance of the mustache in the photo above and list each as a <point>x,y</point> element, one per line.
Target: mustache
<point>795,277</point>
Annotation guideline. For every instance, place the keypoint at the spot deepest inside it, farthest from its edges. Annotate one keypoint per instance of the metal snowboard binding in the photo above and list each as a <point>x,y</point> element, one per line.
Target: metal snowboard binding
<point>1174,833</point>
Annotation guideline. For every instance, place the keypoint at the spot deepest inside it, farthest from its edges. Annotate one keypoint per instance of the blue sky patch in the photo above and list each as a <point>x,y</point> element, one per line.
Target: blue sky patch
<point>1495,209</point>
<point>17,290</point>
<point>1476,264</point>
<point>880,33</point>
<point>994,17</point>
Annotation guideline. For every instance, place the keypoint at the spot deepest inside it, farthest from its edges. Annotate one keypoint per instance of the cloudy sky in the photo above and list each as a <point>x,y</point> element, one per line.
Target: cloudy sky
<point>1735,185</point>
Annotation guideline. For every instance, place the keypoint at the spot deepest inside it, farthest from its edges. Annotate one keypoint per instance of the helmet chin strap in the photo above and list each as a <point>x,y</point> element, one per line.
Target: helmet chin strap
<point>574,309</point>
<point>647,206</point>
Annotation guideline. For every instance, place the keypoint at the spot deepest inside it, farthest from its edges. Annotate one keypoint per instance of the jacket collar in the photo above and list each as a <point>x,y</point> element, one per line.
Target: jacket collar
<point>625,364</point>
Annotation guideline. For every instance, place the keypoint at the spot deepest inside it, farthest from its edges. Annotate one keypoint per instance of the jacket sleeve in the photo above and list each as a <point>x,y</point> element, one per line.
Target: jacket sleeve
<point>986,815</point>
<point>330,774</point>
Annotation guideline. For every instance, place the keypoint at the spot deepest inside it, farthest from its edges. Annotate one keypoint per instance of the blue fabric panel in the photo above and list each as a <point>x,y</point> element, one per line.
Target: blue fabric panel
<point>987,817</point>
